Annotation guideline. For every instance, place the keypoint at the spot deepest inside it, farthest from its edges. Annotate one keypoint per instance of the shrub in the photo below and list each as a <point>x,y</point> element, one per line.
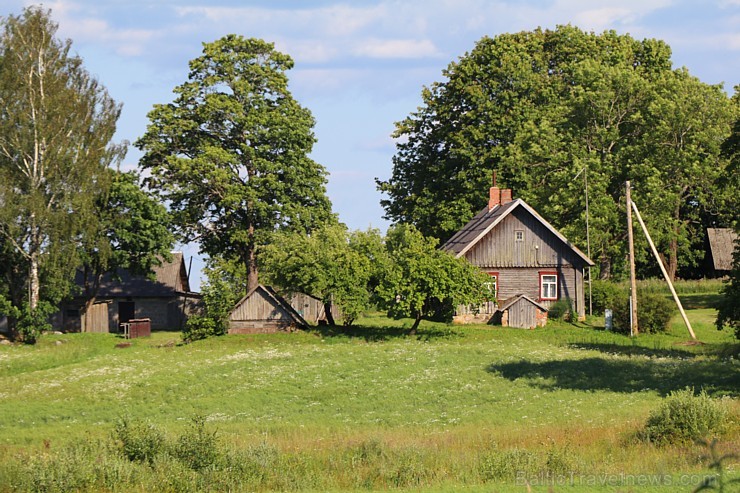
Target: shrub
<point>27,324</point>
<point>198,448</point>
<point>201,327</point>
<point>604,295</point>
<point>684,418</point>
<point>561,310</point>
<point>140,441</point>
<point>654,313</point>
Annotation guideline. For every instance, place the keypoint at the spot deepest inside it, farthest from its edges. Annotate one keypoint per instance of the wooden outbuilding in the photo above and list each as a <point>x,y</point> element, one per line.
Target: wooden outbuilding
<point>166,300</point>
<point>522,312</point>
<point>263,311</point>
<point>313,310</point>
<point>719,254</point>
<point>522,252</point>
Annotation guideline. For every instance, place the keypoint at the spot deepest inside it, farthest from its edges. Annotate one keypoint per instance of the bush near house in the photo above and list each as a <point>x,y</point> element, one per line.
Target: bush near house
<point>654,313</point>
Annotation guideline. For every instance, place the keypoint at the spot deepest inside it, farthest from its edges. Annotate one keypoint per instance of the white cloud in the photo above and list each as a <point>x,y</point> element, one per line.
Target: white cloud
<point>396,48</point>
<point>80,25</point>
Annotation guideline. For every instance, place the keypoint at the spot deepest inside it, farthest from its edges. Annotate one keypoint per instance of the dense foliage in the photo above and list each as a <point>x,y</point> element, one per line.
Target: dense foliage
<point>56,126</point>
<point>128,230</point>
<point>654,312</point>
<point>683,418</point>
<point>421,278</point>
<point>335,265</point>
<point>729,307</point>
<point>544,106</point>
<point>230,153</point>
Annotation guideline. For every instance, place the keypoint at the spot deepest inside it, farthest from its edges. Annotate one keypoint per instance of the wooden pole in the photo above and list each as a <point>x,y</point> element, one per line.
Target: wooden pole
<point>588,247</point>
<point>665,273</point>
<point>633,280</point>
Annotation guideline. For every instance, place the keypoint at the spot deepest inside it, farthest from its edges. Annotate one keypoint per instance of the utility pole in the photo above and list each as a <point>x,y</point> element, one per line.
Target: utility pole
<point>633,281</point>
<point>584,170</point>
<point>665,273</point>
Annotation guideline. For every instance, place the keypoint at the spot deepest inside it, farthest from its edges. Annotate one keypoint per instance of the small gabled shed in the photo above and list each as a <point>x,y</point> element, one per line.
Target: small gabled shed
<point>522,312</point>
<point>263,311</point>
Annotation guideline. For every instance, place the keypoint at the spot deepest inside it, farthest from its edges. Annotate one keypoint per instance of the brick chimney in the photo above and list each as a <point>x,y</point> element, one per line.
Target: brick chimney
<point>498,196</point>
<point>506,196</point>
<point>494,197</point>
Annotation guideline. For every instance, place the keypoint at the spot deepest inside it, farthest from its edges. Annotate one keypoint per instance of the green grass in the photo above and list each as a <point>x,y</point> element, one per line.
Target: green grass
<point>366,408</point>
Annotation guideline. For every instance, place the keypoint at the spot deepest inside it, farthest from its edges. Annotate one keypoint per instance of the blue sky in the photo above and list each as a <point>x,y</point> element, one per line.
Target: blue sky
<point>359,65</point>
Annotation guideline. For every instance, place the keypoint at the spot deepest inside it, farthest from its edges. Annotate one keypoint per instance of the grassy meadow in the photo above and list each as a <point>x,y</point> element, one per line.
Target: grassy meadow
<point>454,408</point>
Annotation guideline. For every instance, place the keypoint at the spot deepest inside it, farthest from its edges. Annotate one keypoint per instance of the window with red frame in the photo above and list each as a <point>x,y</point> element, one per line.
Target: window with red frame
<point>548,285</point>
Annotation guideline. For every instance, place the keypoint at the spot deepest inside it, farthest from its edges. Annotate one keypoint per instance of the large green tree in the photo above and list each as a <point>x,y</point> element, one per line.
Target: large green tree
<point>56,126</point>
<point>128,230</point>
<point>729,306</point>
<point>543,107</point>
<point>230,153</point>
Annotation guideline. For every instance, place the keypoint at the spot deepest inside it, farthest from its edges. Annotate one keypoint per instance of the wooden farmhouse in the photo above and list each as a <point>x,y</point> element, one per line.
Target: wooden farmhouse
<point>262,310</point>
<point>166,300</point>
<point>523,254</point>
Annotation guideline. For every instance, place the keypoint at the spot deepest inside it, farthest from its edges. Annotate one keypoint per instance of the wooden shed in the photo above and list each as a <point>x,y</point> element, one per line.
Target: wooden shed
<point>263,311</point>
<point>312,309</point>
<point>522,312</point>
<point>719,254</point>
<point>165,299</point>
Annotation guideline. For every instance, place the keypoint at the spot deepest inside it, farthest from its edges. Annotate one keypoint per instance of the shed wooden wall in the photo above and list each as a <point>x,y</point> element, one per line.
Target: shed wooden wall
<point>259,307</point>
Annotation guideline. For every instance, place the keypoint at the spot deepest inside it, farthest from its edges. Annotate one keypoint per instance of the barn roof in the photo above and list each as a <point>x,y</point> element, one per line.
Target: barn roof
<point>170,279</point>
<point>275,300</point>
<point>722,246</point>
<point>486,220</point>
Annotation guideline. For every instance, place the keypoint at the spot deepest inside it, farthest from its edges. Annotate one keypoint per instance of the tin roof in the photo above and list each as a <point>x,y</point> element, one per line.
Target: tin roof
<point>170,278</point>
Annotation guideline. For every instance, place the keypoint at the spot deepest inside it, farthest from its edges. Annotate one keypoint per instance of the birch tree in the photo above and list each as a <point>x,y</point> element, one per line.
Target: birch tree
<point>56,126</point>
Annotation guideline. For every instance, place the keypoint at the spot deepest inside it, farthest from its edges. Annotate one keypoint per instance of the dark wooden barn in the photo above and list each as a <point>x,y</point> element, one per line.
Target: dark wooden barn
<point>262,310</point>
<point>522,252</point>
<point>166,300</point>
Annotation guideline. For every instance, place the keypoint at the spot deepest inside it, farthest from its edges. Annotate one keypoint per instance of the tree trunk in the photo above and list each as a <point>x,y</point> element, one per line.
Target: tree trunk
<point>33,282</point>
<point>85,310</point>
<point>605,268</point>
<point>672,258</point>
<point>672,266</point>
<point>412,330</point>
<point>252,274</point>
<point>328,313</point>
<point>251,261</point>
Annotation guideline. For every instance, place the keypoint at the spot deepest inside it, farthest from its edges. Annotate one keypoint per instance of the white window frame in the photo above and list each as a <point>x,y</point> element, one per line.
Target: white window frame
<point>548,285</point>
<point>519,235</point>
